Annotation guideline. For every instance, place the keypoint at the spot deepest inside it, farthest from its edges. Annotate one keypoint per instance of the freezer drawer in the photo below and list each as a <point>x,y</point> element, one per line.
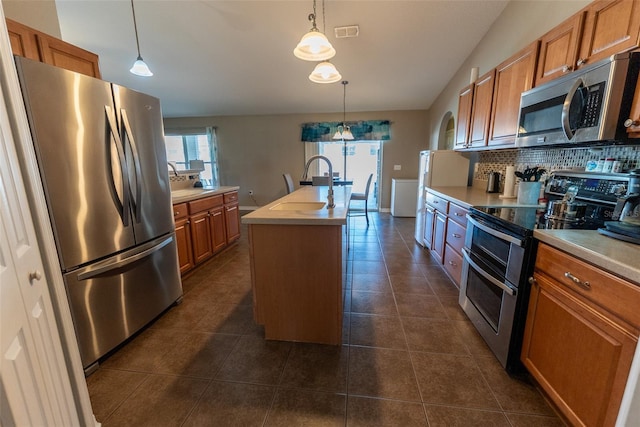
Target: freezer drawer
<point>114,298</point>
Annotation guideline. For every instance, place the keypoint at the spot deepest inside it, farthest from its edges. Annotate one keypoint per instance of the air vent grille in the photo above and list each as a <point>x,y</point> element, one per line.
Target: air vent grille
<point>346,32</point>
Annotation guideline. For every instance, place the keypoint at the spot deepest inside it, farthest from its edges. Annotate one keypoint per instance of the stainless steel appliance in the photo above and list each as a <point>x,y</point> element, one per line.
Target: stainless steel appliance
<point>626,216</point>
<point>499,255</point>
<point>102,161</point>
<point>588,105</point>
<point>441,168</point>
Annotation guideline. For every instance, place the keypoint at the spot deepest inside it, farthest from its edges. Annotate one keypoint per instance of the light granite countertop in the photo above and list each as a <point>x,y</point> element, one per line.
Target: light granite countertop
<point>323,216</point>
<point>189,194</point>
<point>615,256</point>
<point>474,196</point>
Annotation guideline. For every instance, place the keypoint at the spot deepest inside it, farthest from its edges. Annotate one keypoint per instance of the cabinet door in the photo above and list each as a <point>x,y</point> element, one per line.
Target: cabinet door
<point>232,220</point>
<point>559,49</point>
<point>579,357</point>
<point>429,222</point>
<point>481,110</point>
<point>183,242</point>
<point>65,55</point>
<point>634,115</point>
<point>465,100</point>
<point>513,77</point>
<point>611,26</point>
<point>218,232</point>
<point>439,230</point>
<point>23,40</point>
<point>201,237</point>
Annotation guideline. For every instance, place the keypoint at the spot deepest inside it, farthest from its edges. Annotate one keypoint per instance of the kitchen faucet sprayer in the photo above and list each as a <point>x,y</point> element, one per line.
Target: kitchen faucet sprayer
<point>330,202</point>
<point>173,166</point>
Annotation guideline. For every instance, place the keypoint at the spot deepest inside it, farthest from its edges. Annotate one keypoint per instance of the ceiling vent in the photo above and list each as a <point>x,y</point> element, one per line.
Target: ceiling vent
<point>346,32</point>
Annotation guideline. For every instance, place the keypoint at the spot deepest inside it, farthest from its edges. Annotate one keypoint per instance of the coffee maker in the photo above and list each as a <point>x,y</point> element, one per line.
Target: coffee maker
<point>626,215</point>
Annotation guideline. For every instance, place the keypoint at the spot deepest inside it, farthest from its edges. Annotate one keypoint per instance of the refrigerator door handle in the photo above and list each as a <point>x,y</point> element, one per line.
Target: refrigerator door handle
<point>102,268</point>
<point>136,164</point>
<point>124,203</point>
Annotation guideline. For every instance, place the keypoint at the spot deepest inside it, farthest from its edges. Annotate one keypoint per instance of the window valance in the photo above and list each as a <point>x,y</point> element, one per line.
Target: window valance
<point>366,130</point>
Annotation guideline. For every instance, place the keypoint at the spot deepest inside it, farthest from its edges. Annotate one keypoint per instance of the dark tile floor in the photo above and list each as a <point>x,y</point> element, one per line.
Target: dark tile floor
<point>409,355</point>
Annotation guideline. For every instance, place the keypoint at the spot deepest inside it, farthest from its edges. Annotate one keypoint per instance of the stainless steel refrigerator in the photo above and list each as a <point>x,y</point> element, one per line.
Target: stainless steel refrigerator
<point>102,160</point>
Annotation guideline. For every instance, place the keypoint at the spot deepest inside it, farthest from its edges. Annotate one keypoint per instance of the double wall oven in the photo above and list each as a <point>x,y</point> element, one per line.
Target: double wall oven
<point>499,254</point>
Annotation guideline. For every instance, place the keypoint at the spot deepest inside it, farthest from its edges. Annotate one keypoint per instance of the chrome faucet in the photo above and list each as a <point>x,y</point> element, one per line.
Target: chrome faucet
<point>330,202</point>
<point>172,166</point>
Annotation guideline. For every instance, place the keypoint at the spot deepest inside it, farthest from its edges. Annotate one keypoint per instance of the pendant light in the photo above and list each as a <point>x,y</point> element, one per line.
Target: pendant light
<point>139,68</point>
<point>344,131</point>
<point>325,72</point>
<point>314,46</point>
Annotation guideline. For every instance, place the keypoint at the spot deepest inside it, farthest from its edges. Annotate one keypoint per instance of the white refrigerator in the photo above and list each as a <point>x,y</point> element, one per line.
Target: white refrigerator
<point>441,168</point>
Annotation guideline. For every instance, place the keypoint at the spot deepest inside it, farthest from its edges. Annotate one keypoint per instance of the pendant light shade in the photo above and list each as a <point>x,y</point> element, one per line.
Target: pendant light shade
<point>344,131</point>
<point>314,46</point>
<point>325,72</point>
<point>140,68</point>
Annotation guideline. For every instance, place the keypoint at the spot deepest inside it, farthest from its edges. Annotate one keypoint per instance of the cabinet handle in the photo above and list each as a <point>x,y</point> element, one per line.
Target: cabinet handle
<point>457,214</point>
<point>567,68</point>
<point>581,61</point>
<point>188,222</point>
<point>456,235</point>
<point>577,281</point>
<point>176,213</point>
<point>232,209</point>
<point>532,281</point>
<point>217,213</point>
<point>630,122</point>
<point>453,263</point>
<point>35,275</point>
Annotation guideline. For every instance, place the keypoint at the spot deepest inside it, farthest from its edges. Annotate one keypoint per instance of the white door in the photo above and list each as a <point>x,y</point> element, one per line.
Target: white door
<point>34,387</point>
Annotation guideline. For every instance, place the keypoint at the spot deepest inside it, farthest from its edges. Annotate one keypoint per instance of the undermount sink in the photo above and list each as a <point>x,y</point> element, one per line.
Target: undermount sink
<point>298,206</point>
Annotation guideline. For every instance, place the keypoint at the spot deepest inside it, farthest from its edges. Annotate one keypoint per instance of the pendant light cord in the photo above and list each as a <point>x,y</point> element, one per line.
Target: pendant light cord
<point>344,102</point>
<point>135,27</point>
<point>324,28</point>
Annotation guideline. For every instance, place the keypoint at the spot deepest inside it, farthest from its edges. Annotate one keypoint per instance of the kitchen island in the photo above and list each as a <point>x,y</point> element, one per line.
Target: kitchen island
<point>297,249</point>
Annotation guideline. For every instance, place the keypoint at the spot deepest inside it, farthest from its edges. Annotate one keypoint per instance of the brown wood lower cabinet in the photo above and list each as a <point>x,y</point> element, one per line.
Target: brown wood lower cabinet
<point>183,237</point>
<point>581,333</point>
<point>204,227</point>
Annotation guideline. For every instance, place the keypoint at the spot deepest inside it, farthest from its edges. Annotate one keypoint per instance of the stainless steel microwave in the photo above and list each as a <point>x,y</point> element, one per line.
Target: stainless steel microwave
<point>588,105</point>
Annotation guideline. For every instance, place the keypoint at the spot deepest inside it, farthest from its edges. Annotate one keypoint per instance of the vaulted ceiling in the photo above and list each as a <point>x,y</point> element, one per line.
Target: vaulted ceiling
<point>235,57</point>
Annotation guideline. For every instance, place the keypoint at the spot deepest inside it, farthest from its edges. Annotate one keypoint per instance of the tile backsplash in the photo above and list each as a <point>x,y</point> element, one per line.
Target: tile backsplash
<point>552,158</point>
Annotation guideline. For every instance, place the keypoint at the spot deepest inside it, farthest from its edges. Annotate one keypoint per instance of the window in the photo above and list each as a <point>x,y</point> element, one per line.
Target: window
<point>185,145</point>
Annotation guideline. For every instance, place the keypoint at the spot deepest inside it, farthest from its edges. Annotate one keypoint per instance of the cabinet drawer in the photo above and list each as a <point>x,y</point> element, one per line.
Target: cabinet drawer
<point>455,235</point>
<point>204,204</point>
<point>230,197</point>
<point>453,264</point>
<point>437,202</point>
<point>604,290</point>
<point>458,214</point>
<point>180,211</point>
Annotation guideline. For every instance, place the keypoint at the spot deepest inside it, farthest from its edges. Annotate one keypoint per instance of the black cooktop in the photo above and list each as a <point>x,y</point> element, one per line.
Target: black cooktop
<point>523,220</point>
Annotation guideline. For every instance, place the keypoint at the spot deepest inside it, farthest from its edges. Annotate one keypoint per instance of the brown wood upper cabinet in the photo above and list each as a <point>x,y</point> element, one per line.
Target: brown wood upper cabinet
<point>36,45</point>
<point>559,49</point>
<point>465,101</point>
<point>513,76</point>
<point>602,29</point>
<point>481,110</point>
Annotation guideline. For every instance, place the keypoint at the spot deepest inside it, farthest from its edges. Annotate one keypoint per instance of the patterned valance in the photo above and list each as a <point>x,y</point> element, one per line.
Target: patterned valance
<point>367,130</point>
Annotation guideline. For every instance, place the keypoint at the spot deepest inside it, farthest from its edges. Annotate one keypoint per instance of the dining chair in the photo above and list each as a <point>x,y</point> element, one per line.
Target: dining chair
<point>288,182</point>
<point>363,197</point>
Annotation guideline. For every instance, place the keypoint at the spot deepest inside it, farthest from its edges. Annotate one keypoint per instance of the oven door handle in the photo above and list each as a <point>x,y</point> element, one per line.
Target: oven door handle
<point>500,235</point>
<point>508,289</point>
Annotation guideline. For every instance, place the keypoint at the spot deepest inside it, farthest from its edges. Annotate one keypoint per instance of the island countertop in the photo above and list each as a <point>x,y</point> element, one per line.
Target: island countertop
<point>323,216</point>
